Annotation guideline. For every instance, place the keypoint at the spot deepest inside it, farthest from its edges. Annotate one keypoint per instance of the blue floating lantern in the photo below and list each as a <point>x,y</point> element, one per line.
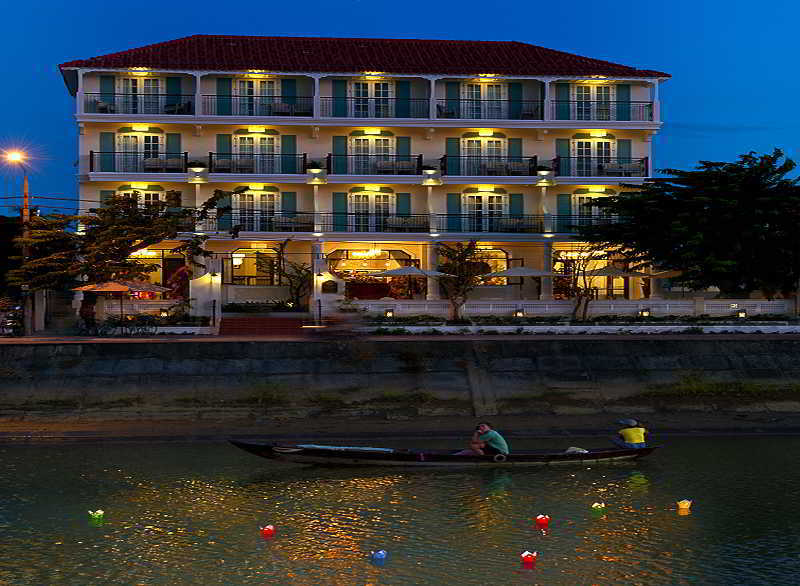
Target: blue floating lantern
<point>378,557</point>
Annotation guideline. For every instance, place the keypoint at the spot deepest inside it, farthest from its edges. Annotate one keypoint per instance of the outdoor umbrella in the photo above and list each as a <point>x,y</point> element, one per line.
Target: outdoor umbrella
<point>521,272</point>
<point>666,274</point>
<point>122,287</point>
<point>410,271</point>
<point>609,271</point>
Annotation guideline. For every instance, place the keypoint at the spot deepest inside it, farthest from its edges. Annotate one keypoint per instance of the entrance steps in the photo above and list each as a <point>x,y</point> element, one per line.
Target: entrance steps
<point>257,325</point>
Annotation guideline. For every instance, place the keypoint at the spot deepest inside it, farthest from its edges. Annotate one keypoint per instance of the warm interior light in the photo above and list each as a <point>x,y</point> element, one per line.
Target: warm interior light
<point>256,186</point>
<point>317,234</point>
<point>139,185</point>
<point>15,157</point>
<point>519,313</point>
<point>489,188</point>
<point>388,313</point>
<point>598,133</point>
<point>238,259</point>
<point>597,189</point>
<point>547,235</point>
<point>259,245</point>
<point>372,131</point>
<point>644,313</point>
<point>485,132</point>
<point>372,188</point>
<point>256,129</point>
<point>434,234</point>
<point>369,253</point>
<point>140,127</point>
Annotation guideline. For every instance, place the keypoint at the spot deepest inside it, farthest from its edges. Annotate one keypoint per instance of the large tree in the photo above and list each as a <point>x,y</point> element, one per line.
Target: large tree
<point>466,263</point>
<point>731,225</point>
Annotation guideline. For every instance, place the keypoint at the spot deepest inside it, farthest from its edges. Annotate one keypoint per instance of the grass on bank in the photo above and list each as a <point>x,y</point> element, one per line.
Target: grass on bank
<point>695,387</point>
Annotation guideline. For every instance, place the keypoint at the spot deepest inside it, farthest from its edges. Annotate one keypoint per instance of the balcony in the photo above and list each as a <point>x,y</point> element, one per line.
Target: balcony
<point>374,107</point>
<point>256,164</point>
<point>488,166</point>
<point>371,222</point>
<point>601,111</point>
<point>286,106</point>
<point>256,221</point>
<point>374,164</point>
<point>116,162</point>
<point>103,103</point>
<point>490,109</point>
<point>600,167</point>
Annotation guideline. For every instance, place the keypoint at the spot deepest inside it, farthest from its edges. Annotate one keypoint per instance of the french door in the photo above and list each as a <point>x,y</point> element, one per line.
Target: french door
<point>368,211</point>
<point>593,102</point>
<point>591,155</point>
<point>484,100</point>
<point>482,210</point>
<point>254,211</point>
<point>372,99</point>
<point>482,156</point>
<point>137,153</point>
<point>368,152</point>
<point>257,154</point>
<point>255,98</point>
<point>141,96</point>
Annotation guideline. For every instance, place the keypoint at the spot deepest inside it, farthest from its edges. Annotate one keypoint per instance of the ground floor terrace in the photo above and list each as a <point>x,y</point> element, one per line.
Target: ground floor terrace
<point>344,274</point>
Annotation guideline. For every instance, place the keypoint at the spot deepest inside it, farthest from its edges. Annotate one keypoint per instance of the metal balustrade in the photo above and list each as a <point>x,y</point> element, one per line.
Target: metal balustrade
<point>601,111</point>
<point>344,107</point>
<point>456,108</point>
<point>487,222</point>
<point>106,103</point>
<point>373,222</point>
<point>374,164</point>
<point>214,105</point>
<point>138,162</point>
<point>601,167</point>
<point>488,165</point>
<point>257,164</point>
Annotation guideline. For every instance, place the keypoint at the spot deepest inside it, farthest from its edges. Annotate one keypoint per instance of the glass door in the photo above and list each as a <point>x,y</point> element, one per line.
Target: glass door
<point>472,101</point>
<point>268,160</point>
<point>368,153</point>
<point>151,96</point>
<point>494,105</point>
<point>359,212</point>
<point>244,211</point>
<point>130,95</point>
<point>383,102</point>
<point>245,97</point>
<point>128,154</point>
<point>583,158</point>
<point>482,211</point>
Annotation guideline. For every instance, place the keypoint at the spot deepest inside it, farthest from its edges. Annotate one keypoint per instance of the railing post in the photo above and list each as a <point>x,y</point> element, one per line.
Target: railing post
<point>315,108</point>
<point>305,163</point>
<point>443,165</point>
<point>646,165</point>
<point>328,163</point>
<point>210,162</point>
<point>419,164</point>
<point>556,166</point>
<point>547,103</point>
<point>185,161</point>
<point>91,161</point>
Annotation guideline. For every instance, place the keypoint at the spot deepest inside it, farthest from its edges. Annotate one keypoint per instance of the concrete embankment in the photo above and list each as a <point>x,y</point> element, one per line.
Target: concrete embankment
<point>391,378</point>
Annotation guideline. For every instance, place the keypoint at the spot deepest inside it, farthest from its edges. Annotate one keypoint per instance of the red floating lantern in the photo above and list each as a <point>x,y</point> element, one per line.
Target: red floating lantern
<point>528,558</point>
<point>542,521</point>
<point>268,531</point>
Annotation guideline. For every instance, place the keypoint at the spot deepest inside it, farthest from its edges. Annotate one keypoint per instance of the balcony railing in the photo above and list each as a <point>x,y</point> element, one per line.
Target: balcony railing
<point>374,107</point>
<point>116,162</point>
<point>374,164</point>
<point>488,165</point>
<point>103,103</point>
<point>487,222</point>
<point>214,105</point>
<point>263,221</point>
<point>256,164</point>
<point>601,111</point>
<point>570,224</point>
<point>490,109</point>
<point>600,167</point>
<point>372,222</point>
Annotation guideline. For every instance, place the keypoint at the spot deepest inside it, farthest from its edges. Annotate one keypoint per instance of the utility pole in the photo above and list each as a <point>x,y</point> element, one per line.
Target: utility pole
<point>26,220</point>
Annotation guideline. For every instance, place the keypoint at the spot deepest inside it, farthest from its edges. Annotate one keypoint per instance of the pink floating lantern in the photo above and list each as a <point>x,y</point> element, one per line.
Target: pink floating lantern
<point>528,558</point>
<point>267,532</point>
<point>542,521</point>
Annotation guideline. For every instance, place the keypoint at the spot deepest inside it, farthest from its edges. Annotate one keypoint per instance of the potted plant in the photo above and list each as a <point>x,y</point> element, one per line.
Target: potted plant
<point>196,166</point>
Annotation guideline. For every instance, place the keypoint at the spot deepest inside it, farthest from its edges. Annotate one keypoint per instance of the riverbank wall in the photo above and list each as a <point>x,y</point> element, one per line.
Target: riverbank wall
<point>397,378</point>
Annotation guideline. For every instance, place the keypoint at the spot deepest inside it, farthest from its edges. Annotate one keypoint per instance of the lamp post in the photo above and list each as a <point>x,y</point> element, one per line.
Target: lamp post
<point>18,158</point>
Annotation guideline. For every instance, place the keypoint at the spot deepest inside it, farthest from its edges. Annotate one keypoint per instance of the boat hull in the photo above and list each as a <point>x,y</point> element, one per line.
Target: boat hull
<point>348,456</point>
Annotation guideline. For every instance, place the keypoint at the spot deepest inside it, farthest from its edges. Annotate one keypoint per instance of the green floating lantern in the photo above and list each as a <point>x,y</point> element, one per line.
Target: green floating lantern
<point>598,509</point>
<point>96,517</point>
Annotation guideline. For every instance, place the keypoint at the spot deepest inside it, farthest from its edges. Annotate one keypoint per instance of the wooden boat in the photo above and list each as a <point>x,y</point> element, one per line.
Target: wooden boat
<point>366,456</point>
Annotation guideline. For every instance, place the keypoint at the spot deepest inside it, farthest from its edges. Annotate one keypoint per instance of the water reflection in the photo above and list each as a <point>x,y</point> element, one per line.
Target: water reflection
<point>192,514</point>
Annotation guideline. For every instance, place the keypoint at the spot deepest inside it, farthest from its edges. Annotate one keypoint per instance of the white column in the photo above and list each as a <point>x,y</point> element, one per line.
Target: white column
<point>656,103</point>
<point>547,109</point>
<point>432,101</point>
<point>317,262</point>
<point>198,95</point>
<point>317,218</point>
<point>432,228</point>
<point>431,262</point>
<point>546,294</point>
<point>656,289</point>
<point>80,105</point>
<point>317,110</point>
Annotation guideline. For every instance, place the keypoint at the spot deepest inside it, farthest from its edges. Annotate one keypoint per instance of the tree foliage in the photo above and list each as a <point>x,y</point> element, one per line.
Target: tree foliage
<point>731,225</point>
<point>466,262</point>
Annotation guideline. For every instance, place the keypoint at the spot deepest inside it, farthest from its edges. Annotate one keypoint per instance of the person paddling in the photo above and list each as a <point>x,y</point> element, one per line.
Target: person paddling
<point>632,435</point>
<point>486,440</point>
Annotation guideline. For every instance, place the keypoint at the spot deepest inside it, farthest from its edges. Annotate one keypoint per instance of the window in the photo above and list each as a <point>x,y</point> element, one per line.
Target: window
<point>139,152</point>
<point>372,99</point>
<point>368,154</point>
<point>496,260</point>
<point>141,95</point>
<point>145,198</point>
<point>482,210</point>
<point>483,156</point>
<point>257,154</point>
<point>484,100</point>
<point>248,267</point>
<point>368,211</point>
<point>591,154</point>
<point>255,97</point>
<point>254,211</point>
<point>593,102</point>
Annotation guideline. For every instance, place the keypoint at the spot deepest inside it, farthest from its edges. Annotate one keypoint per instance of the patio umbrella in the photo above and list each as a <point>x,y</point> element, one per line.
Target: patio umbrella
<point>609,271</point>
<point>521,272</point>
<point>666,274</point>
<point>122,287</point>
<point>410,271</point>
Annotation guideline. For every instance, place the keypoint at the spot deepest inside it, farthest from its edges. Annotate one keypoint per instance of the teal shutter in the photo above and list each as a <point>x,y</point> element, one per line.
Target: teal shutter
<point>562,101</point>
<point>224,148</point>
<point>107,89</point>
<point>288,153</point>
<point>106,196</point>
<point>224,215</point>
<point>564,211</point>
<point>402,91</point>
<point>453,152</point>
<point>515,205</point>
<point>624,101</point>
<point>289,91</point>
<point>339,98</point>
<point>452,93</point>
<point>402,204</point>
<point>514,100</point>
<point>173,91</point>
<point>224,91</point>
<point>403,148</point>
<point>339,163</point>
<point>339,206</point>
<point>173,144</point>
<point>624,150</point>
<point>454,212</point>
<point>107,154</point>
<point>562,152</point>
<point>515,149</point>
<point>289,204</point>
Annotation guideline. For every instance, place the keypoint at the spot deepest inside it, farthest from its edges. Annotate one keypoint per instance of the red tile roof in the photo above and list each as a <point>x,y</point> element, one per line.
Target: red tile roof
<point>311,54</point>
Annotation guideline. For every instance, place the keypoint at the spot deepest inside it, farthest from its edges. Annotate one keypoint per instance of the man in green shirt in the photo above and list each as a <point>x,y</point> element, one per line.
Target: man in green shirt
<point>485,440</point>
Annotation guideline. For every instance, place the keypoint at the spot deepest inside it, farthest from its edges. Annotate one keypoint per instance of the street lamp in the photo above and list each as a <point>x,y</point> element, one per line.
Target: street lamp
<point>18,158</point>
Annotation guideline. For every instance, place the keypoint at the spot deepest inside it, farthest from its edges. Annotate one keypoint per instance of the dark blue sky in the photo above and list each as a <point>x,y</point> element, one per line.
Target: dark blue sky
<point>734,63</point>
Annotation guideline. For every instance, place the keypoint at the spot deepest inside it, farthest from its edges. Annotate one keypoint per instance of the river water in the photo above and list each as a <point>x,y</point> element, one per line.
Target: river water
<point>180,513</point>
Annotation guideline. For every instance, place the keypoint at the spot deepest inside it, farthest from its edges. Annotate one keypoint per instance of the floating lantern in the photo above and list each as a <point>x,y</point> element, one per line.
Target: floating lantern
<point>378,555</point>
<point>542,521</point>
<point>528,558</point>
<point>684,507</point>
<point>96,517</point>
<point>598,510</point>
<point>268,531</point>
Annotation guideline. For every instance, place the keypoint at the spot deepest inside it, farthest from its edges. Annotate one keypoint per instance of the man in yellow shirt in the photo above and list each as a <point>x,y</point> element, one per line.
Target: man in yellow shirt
<point>632,435</point>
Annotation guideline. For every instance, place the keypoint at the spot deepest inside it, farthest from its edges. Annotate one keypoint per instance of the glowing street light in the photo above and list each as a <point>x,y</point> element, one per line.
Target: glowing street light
<point>18,158</point>
<point>15,157</point>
